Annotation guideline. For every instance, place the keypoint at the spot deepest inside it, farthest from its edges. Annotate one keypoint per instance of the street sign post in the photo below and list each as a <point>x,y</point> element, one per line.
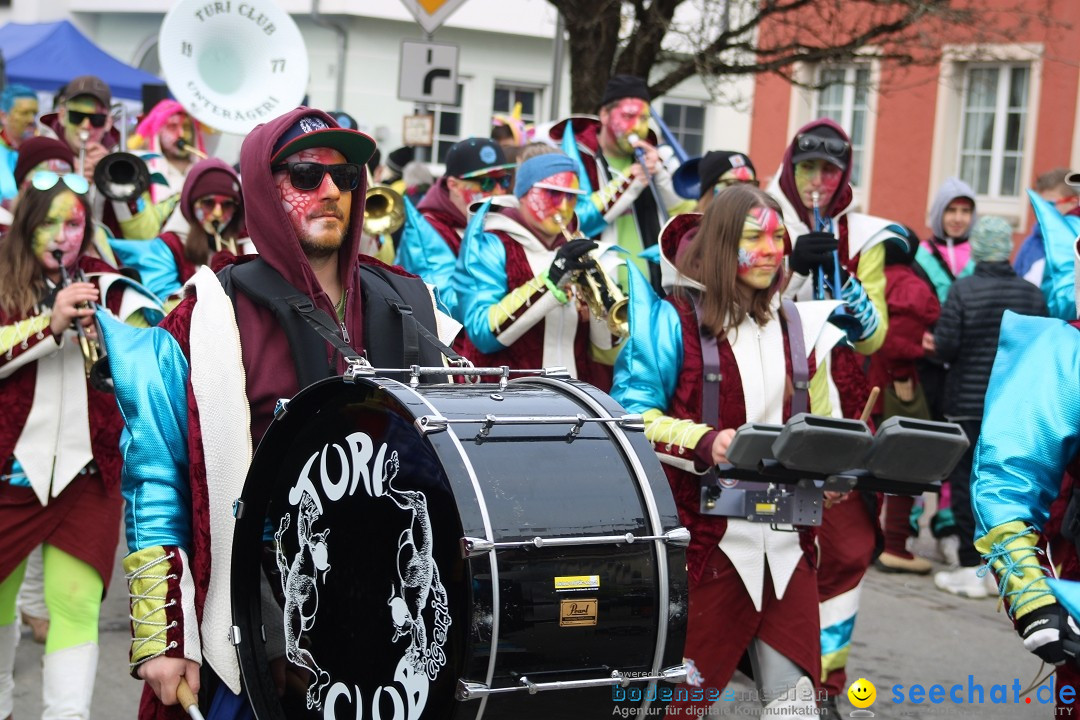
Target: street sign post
<point>430,14</point>
<point>428,72</point>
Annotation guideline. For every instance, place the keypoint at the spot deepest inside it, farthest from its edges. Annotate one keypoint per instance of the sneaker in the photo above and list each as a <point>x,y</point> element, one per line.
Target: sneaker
<point>891,563</point>
<point>950,550</point>
<point>963,581</point>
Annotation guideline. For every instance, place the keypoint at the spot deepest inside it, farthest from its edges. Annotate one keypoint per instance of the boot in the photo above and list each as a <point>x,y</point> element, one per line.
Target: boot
<point>797,704</point>
<point>8,635</point>
<point>68,682</point>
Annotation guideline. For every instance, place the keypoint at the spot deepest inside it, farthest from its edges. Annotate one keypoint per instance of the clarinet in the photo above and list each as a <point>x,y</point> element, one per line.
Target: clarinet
<point>639,155</point>
<point>95,361</point>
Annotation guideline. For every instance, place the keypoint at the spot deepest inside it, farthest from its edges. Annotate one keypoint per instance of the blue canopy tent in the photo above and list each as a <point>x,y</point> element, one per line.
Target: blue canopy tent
<point>44,56</point>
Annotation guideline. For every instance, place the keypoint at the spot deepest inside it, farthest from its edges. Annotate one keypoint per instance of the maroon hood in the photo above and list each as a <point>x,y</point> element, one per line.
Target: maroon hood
<point>843,196</point>
<point>437,200</point>
<point>201,168</point>
<point>678,232</point>
<point>269,226</point>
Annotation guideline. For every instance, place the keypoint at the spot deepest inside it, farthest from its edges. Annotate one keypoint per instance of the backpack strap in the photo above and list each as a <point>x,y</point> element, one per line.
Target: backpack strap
<point>800,368</point>
<point>302,322</point>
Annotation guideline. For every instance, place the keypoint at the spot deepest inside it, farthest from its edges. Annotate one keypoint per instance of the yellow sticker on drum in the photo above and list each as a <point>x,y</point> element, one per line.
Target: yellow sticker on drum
<point>577,582</point>
<point>577,612</point>
<point>765,508</point>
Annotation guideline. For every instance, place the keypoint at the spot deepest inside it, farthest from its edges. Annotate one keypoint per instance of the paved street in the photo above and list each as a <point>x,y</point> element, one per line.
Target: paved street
<point>908,632</point>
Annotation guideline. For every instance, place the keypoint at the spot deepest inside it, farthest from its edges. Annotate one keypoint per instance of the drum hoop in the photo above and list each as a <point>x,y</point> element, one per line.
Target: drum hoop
<point>573,390</point>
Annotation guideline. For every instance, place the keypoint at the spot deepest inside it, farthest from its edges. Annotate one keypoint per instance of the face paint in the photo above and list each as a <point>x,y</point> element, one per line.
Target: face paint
<point>761,247</point>
<point>471,193</point>
<point>176,127</point>
<point>543,207</point>
<point>320,217</point>
<point>817,175</point>
<point>19,121</point>
<point>215,212</point>
<point>629,116</point>
<point>62,229</point>
<point>71,132</point>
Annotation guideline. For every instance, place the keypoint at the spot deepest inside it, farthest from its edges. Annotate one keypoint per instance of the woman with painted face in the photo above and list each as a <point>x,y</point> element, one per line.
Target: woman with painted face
<point>213,207</point>
<point>515,278</point>
<point>719,351</point>
<point>59,437</point>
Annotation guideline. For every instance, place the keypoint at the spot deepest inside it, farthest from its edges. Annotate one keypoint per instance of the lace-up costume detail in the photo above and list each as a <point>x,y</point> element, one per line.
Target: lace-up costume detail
<point>150,627</point>
<point>18,337</point>
<point>1022,578</point>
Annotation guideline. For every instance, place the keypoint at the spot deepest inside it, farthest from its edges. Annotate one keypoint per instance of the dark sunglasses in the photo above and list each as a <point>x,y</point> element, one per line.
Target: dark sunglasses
<point>833,146</point>
<point>309,175</point>
<point>489,182</point>
<point>76,117</point>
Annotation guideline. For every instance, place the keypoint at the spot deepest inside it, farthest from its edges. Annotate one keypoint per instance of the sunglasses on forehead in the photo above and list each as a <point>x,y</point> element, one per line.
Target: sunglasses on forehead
<point>76,117</point>
<point>47,179</point>
<point>833,146</point>
<point>309,175</point>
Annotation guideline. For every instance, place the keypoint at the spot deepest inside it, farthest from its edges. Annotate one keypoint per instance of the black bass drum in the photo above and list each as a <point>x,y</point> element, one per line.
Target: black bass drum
<point>457,551</point>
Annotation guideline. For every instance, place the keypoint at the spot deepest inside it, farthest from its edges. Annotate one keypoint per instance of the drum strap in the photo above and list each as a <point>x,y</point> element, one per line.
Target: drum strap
<point>800,368</point>
<point>710,369</point>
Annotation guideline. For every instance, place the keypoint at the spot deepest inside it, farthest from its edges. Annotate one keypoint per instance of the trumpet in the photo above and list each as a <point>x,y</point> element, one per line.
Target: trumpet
<point>95,361</point>
<point>183,144</point>
<point>384,211</point>
<point>599,292</point>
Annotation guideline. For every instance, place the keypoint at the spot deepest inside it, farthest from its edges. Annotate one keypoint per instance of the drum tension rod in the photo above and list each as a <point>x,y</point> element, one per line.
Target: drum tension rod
<point>468,690</point>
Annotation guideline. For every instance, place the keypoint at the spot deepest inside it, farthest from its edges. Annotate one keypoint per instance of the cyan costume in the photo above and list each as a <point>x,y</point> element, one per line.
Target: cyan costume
<point>1025,467</point>
<point>513,315</point>
<point>661,374</point>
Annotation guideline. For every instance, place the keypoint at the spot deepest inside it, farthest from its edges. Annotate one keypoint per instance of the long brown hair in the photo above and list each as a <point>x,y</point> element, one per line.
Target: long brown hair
<point>712,259</point>
<point>22,281</point>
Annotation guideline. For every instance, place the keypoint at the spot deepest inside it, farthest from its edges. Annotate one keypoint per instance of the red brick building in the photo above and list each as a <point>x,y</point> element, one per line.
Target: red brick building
<point>998,109</point>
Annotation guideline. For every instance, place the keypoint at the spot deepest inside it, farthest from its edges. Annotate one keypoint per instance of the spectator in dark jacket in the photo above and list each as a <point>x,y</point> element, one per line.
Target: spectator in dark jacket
<point>966,336</point>
<point>913,309</point>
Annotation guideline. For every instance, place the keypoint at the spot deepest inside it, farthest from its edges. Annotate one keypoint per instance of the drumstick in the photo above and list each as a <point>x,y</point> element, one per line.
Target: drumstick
<point>874,392</point>
<point>188,701</point>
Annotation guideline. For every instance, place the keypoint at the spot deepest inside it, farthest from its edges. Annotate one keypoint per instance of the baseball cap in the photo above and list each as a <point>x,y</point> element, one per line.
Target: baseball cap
<point>90,85</point>
<point>475,156</point>
<point>822,142</point>
<point>312,131</point>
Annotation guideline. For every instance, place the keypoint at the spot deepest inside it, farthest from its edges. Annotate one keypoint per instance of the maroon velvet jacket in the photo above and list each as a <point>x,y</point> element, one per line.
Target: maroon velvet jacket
<point>441,213</point>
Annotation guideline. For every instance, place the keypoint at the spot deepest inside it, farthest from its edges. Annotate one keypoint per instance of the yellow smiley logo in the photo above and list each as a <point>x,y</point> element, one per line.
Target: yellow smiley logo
<point>862,693</point>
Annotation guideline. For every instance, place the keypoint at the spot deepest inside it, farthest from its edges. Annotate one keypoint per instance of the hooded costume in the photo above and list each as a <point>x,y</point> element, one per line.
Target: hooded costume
<point>945,259</point>
<point>200,390</point>
<point>510,312</point>
<point>850,535</point>
<point>431,240</point>
<point>662,373</point>
<point>60,473</point>
<point>162,262</point>
<point>618,210</point>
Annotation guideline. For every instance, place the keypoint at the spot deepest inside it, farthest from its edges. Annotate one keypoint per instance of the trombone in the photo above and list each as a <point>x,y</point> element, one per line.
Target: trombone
<point>598,291</point>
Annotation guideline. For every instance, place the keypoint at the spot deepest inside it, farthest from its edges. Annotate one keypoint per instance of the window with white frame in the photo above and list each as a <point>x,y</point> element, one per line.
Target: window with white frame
<point>447,126</point>
<point>507,94</point>
<point>687,123</point>
<point>844,99</point>
<point>992,128</point>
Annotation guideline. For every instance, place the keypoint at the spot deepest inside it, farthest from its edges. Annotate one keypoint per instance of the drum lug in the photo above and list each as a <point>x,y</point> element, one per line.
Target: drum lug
<point>428,424</point>
<point>357,367</point>
<point>679,537</point>
<point>472,690</point>
<point>676,674</point>
<point>238,509</point>
<point>632,422</point>
<point>471,547</point>
<point>234,635</point>
<point>556,372</point>
<point>281,408</point>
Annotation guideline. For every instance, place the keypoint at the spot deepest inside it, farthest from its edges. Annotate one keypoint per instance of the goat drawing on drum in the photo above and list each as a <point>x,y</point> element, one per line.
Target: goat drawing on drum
<point>299,583</point>
<point>419,580</point>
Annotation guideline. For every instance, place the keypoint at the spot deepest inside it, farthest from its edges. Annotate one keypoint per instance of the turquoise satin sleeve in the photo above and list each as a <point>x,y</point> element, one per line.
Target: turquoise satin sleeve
<point>480,282</point>
<point>150,373</point>
<point>154,261</point>
<point>423,252</point>
<point>590,221</point>
<point>1031,424</point>
<point>648,365</point>
<point>1059,239</point>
